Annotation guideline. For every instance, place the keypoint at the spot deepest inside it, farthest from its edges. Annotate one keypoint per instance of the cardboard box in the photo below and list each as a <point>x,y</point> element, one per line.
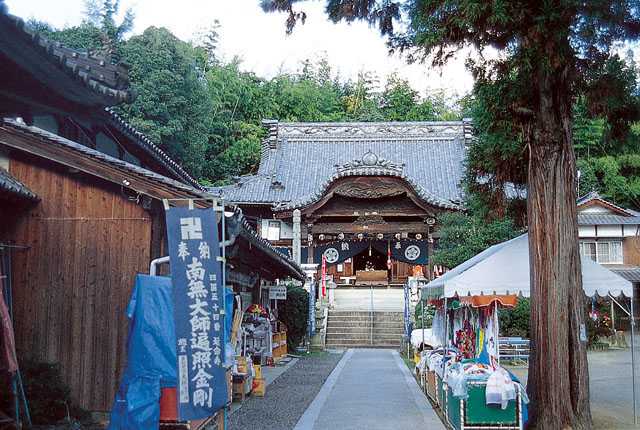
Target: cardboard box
<point>259,387</point>
<point>258,370</point>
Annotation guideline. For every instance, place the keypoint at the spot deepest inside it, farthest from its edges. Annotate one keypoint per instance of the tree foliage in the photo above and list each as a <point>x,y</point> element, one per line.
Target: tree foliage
<point>206,113</point>
<point>515,321</point>
<point>462,236</point>
<point>171,104</point>
<point>295,315</point>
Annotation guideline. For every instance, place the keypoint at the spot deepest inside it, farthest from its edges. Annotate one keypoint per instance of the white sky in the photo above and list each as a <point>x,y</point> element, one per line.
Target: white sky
<point>259,39</point>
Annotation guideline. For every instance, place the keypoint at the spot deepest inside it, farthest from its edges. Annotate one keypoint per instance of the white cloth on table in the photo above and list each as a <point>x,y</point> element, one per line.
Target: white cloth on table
<point>500,388</point>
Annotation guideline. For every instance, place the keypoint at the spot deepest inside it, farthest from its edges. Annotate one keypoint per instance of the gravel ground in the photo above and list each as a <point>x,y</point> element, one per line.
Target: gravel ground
<point>288,397</point>
<point>610,388</point>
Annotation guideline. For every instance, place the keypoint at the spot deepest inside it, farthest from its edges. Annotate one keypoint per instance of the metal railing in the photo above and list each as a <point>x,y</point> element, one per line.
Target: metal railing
<point>513,348</point>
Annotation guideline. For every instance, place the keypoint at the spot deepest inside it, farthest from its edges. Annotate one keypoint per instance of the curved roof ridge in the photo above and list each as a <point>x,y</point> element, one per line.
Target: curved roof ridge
<point>360,123</point>
<point>151,148</point>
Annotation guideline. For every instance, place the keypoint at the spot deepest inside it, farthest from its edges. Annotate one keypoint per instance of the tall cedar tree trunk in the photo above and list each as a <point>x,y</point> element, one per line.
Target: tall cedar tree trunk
<point>558,382</point>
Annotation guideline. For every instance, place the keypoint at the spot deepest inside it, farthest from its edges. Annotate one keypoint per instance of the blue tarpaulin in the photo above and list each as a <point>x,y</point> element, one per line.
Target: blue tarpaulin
<point>151,347</point>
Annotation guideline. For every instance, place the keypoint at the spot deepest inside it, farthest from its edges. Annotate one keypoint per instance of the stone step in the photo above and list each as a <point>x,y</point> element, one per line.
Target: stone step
<point>364,313</point>
<point>365,335</point>
<point>377,330</point>
<point>338,347</point>
<point>366,332</point>
<point>378,324</point>
<point>355,318</point>
<point>346,345</point>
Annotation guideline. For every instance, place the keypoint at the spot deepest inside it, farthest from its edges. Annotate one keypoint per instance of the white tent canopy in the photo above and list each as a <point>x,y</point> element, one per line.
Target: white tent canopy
<point>504,269</point>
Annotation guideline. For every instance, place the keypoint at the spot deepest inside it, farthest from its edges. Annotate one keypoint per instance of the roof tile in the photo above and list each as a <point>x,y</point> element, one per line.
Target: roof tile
<point>308,156</point>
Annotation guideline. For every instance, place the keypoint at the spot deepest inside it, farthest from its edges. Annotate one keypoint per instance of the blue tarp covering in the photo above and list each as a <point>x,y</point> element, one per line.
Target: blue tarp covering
<point>151,361</point>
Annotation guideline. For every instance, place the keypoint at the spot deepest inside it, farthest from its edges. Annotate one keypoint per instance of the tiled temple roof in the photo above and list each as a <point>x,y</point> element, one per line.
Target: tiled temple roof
<point>301,160</point>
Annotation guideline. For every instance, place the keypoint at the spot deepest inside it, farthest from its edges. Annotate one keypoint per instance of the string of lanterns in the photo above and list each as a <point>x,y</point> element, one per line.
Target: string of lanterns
<point>430,222</point>
<point>362,236</point>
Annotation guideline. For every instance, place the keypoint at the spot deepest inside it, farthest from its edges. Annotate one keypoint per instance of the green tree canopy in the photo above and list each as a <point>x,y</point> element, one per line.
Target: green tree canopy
<point>463,236</point>
<point>171,104</point>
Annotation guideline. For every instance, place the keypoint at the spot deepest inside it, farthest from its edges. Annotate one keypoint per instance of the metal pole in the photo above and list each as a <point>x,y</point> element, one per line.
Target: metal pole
<point>371,311</point>
<point>633,357</point>
<point>496,330</point>
<point>422,317</point>
<point>224,254</point>
<point>446,326</point>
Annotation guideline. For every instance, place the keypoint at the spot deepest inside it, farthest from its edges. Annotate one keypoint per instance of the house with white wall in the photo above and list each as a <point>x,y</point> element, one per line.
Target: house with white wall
<point>610,235</point>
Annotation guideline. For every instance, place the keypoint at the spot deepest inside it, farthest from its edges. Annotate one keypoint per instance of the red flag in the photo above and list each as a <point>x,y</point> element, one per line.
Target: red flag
<point>324,276</point>
<point>389,255</point>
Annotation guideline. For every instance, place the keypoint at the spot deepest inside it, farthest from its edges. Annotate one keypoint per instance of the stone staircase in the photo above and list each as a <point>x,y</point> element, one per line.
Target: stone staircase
<point>352,329</point>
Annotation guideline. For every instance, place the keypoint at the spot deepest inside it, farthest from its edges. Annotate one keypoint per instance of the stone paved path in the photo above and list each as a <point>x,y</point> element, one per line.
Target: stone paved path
<point>370,389</point>
<point>287,398</point>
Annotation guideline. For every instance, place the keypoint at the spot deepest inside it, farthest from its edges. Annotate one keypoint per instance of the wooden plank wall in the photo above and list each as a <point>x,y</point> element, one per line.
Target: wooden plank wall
<point>631,250</point>
<point>72,286</point>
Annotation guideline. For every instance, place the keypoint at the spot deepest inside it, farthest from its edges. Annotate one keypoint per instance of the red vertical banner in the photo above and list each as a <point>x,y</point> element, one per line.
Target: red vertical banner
<point>324,276</point>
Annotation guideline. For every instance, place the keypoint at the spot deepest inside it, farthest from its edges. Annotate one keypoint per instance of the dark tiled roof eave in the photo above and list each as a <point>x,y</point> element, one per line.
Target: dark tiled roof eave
<point>249,234</point>
<point>92,153</point>
<point>630,273</point>
<point>595,196</point>
<point>606,219</point>
<point>15,188</point>
<point>151,148</point>
<point>97,74</point>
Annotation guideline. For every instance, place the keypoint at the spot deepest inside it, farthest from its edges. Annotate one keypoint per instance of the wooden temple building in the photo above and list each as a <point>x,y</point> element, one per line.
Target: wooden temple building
<point>81,211</point>
<point>366,197</point>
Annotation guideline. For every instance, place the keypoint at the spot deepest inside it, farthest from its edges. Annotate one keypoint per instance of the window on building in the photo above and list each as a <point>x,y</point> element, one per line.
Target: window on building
<point>604,252</point>
<point>273,230</point>
<point>588,249</point>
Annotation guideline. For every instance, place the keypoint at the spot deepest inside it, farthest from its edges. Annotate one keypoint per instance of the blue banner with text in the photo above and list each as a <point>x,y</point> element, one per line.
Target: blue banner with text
<point>198,296</point>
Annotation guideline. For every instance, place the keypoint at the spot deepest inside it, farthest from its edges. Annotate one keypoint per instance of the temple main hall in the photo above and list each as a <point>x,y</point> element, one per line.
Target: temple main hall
<point>365,198</point>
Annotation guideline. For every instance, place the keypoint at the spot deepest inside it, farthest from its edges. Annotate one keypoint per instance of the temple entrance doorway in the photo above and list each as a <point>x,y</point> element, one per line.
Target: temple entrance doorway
<point>370,267</point>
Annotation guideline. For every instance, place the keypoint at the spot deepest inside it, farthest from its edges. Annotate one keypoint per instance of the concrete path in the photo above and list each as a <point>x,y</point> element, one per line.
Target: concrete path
<point>370,389</point>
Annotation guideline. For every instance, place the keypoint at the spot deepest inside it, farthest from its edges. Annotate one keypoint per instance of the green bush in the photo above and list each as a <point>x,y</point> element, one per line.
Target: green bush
<point>515,322</point>
<point>295,315</point>
<point>48,396</point>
